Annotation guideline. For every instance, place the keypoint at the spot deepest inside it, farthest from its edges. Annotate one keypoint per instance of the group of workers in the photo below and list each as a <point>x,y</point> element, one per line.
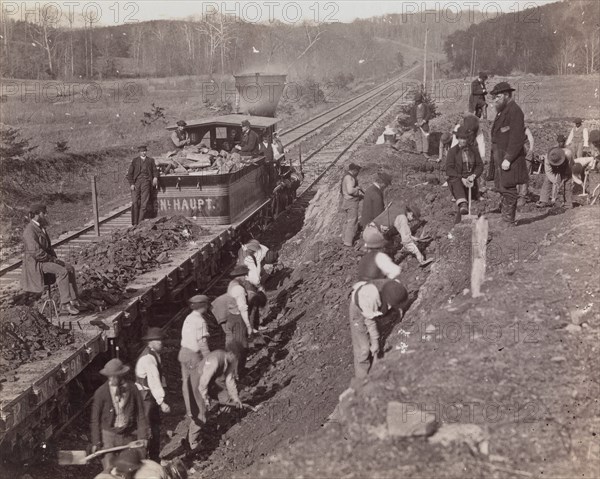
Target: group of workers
<point>124,411</point>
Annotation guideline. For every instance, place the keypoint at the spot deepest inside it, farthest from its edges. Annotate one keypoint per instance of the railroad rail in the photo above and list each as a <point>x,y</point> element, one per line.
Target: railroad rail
<point>35,405</point>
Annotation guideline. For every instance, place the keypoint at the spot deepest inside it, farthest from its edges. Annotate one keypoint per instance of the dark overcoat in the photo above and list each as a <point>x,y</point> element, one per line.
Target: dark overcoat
<point>37,250</point>
<point>372,205</point>
<point>508,143</point>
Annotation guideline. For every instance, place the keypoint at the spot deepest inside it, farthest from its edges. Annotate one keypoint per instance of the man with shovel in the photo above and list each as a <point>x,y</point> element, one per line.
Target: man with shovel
<point>117,412</point>
<point>463,167</point>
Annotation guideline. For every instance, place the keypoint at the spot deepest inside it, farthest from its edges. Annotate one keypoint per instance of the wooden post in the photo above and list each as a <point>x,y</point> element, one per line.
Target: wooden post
<point>479,240</point>
<point>472,56</point>
<point>300,158</point>
<point>425,63</point>
<point>95,206</point>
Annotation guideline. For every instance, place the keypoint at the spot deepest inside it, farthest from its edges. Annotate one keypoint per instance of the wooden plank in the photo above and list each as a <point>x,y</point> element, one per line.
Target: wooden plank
<point>479,240</point>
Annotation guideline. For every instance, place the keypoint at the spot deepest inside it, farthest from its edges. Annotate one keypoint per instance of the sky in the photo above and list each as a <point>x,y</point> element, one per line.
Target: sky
<point>115,12</point>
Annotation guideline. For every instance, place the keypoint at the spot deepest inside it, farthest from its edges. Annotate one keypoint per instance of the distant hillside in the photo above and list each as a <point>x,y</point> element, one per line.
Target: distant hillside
<point>558,38</point>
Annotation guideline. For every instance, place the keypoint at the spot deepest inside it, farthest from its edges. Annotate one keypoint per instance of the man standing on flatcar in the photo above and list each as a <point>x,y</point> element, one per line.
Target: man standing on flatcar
<point>142,177</point>
<point>249,144</point>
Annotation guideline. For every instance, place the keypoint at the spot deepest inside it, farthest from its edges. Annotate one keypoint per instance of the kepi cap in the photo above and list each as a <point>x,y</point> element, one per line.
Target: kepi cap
<point>114,367</point>
<point>142,148</point>
<point>199,299</point>
<point>153,334</point>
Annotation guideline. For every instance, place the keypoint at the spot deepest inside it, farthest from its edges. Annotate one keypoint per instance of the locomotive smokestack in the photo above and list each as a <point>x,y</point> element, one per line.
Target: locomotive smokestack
<point>258,94</point>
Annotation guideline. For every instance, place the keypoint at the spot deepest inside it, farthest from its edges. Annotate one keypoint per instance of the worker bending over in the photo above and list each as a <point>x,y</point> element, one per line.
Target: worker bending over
<point>558,174</point>
<point>130,465</point>
<point>369,302</point>
<point>376,264</point>
<point>218,376</point>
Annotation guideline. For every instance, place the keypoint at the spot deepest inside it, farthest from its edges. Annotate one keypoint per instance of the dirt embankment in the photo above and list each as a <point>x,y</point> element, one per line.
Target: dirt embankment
<point>510,379</point>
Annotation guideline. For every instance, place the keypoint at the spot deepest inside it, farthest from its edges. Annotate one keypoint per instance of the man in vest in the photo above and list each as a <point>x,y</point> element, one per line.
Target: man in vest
<point>194,348</point>
<point>39,259</point>
<point>249,143</point>
<point>180,137</point>
<point>218,377</point>
<point>508,150</point>
<point>376,264</point>
<point>369,302</point>
<point>117,416</point>
<point>578,138</point>
<point>373,204</point>
<point>150,381</point>
<point>477,103</point>
<point>265,148</point>
<point>421,125</point>
<point>351,196</point>
<point>142,177</point>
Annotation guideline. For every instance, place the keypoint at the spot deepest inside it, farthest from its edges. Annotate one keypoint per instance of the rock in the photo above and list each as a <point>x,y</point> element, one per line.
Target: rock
<point>407,420</point>
<point>470,434</point>
<point>573,328</point>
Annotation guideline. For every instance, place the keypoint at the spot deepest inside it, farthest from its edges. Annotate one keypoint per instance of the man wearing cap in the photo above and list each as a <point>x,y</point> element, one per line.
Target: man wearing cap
<point>474,133</point>
<point>249,144</point>
<point>558,173</point>
<point>142,177</point>
<point>508,150</point>
<point>39,259</point>
<point>463,167</point>
<point>117,411</point>
<point>351,196</point>
<point>369,302</point>
<point>180,137</point>
<point>373,204</point>
<point>130,465</point>
<point>376,264</point>
<point>150,381</point>
<point>421,125</point>
<point>477,103</point>
<point>194,348</point>
<point>218,376</point>
<point>578,138</point>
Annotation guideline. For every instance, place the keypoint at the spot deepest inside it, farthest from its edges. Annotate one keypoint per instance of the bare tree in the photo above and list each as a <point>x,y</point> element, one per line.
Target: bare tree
<point>45,35</point>
<point>312,33</point>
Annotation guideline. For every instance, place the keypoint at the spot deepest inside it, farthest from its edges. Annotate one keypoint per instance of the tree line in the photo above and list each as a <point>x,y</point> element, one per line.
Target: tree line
<point>558,38</point>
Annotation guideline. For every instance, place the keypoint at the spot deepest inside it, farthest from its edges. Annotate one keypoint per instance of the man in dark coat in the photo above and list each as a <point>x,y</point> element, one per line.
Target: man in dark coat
<point>265,149</point>
<point>463,167</point>
<point>477,103</point>
<point>249,144</point>
<point>508,149</point>
<point>39,259</point>
<point>117,412</point>
<point>422,125</point>
<point>142,177</point>
<point>373,204</point>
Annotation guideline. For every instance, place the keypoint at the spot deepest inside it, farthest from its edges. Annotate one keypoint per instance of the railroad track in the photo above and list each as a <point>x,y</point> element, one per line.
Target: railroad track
<point>119,218</point>
<point>20,407</point>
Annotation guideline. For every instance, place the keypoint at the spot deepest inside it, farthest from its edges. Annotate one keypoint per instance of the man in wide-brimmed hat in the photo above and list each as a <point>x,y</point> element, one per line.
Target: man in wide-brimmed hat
<point>558,173</point>
<point>117,411</point>
<point>150,380</point>
<point>130,464</point>
<point>508,150</point>
<point>194,348</point>
<point>180,137</point>
<point>477,103</point>
<point>142,176</point>
<point>249,146</point>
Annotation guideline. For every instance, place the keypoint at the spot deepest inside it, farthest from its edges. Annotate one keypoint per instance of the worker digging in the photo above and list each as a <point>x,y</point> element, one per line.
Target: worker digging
<point>281,287</point>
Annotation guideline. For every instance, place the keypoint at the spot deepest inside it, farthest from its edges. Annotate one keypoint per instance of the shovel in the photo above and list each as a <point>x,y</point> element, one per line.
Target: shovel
<point>469,217</point>
<point>80,458</point>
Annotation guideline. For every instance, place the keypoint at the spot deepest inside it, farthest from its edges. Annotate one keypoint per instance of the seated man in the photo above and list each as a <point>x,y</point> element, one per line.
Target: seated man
<point>180,137</point>
<point>463,167</point>
<point>250,144</point>
<point>130,465</point>
<point>39,259</point>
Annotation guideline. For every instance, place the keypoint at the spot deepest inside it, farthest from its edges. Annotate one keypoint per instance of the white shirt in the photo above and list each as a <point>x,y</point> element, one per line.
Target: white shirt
<point>193,330</point>
<point>255,267</point>
<point>387,265</point>
<point>401,224</point>
<point>146,367</point>
<point>585,136</point>
<point>369,300</point>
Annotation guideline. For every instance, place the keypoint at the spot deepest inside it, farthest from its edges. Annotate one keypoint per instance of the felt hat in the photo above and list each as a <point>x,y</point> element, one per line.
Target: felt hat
<point>577,121</point>
<point>384,178</point>
<point>462,132</point>
<point>239,270</point>
<point>253,245</point>
<point>373,238</point>
<point>181,123</point>
<point>153,334</point>
<point>446,138</point>
<point>394,294</point>
<point>556,156</point>
<point>114,367</point>
<point>502,87</point>
<point>415,211</point>
<point>471,122</point>
<point>129,460</point>
<point>38,208</point>
<point>560,137</point>
<point>354,166</point>
<point>245,123</point>
<point>142,148</point>
<point>199,299</point>
<point>483,75</point>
